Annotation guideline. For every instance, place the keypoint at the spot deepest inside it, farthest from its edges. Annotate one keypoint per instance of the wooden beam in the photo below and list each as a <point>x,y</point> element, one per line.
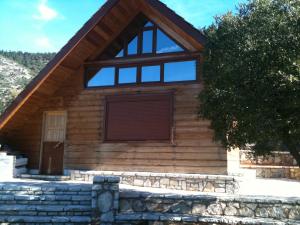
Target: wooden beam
<point>144,59</point>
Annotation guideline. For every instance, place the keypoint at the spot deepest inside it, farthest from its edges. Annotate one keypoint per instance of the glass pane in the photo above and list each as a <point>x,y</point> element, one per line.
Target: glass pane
<point>127,75</point>
<point>147,41</point>
<point>149,24</point>
<point>132,46</point>
<point>165,44</point>
<point>104,77</point>
<point>180,71</point>
<point>120,54</point>
<point>150,73</point>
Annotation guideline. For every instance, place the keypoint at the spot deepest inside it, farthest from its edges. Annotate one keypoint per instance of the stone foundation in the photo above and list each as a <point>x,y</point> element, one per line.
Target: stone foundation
<point>102,203</point>
<point>185,182</point>
<point>277,165</point>
<point>208,208</point>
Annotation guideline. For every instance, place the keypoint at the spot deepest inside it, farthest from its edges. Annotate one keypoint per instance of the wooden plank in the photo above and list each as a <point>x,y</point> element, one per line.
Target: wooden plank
<point>142,59</point>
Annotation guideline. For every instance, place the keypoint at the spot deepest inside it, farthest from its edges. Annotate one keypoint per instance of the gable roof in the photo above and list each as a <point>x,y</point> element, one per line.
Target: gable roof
<point>60,64</point>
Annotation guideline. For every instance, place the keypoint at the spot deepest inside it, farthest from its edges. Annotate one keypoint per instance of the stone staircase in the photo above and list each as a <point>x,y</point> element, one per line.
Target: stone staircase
<point>44,203</point>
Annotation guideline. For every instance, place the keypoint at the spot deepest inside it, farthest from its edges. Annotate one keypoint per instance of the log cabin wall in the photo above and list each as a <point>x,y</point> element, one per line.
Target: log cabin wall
<point>60,86</point>
<point>192,151</point>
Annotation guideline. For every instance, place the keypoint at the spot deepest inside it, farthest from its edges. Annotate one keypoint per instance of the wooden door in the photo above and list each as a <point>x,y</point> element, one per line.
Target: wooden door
<point>53,143</point>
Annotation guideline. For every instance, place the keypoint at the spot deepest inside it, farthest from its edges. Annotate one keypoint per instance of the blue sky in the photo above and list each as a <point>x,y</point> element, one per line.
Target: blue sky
<point>46,25</point>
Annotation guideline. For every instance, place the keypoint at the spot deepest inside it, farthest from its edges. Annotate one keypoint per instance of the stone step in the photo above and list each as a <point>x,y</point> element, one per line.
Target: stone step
<point>41,187</point>
<point>45,177</point>
<point>46,219</point>
<point>44,208</point>
<point>181,218</point>
<point>21,162</point>
<point>39,198</point>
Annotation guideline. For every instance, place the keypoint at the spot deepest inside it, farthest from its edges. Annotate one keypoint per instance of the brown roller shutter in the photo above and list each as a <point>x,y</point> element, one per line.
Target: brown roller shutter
<point>138,117</point>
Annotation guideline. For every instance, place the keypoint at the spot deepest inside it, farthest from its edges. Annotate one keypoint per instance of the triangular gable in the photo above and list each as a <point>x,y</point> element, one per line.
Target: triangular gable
<point>105,25</point>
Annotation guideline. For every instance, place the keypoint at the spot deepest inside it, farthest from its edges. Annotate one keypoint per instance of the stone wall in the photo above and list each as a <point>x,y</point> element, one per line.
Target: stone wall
<point>102,203</point>
<point>220,209</point>
<point>185,182</point>
<point>276,165</point>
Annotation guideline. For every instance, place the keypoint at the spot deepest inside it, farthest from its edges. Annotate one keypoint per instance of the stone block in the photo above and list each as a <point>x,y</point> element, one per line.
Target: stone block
<point>215,209</point>
<point>138,182</point>
<point>105,201</point>
<point>107,217</point>
<point>295,213</point>
<point>230,211</point>
<point>199,209</point>
<point>246,212</point>
<point>138,206</point>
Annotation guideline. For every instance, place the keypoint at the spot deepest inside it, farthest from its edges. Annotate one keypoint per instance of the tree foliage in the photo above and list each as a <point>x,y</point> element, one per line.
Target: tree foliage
<point>252,77</point>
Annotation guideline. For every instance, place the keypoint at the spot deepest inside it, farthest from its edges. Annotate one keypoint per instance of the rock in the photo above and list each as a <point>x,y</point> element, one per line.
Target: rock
<point>147,183</point>
<point>125,206</point>
<point>138,206</point>
<point>295,213</point>
<point>262,212</point>
<point>105,201</point>
<point>181,207</point>
<point>209,187</point>
<point>246,212</point>
<point>277,212</point>
<point>164,182</point>
<point>230,211</point>
<point>199,209</point>
<point>138,182</point>
<point>107,217</point>
<point>215,209</point>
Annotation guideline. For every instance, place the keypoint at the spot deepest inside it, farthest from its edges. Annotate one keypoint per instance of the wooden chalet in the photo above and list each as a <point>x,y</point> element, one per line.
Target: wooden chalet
<point>121,95</point>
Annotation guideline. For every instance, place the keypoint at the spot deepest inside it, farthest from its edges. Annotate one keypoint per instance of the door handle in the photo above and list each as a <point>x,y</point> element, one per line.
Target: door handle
<point>58,144</point>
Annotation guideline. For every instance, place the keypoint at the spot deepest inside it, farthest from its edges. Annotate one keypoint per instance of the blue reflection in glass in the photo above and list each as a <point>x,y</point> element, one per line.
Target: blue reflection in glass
<point>165,44</point>
<point>104,77</point>
<point>149,24</point>
<point>132,47</point>
<point>147,41</point>
<point>120,54</point>
<point>180,71</point>
<point>127,75</point>
<point>150,74</point>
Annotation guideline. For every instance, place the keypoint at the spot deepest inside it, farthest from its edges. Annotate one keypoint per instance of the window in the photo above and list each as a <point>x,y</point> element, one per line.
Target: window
<point>138,117</point>
<point>180,71</point>
<point>149,24</point>
<point>133,47</point>
<point>148,41</point>
<point>104,77</point>
<point>127,75</point>
<point>120,54</point>
<point>148,44</point>
<point>165,44</point>
<point>152,39</point>
<point>150,74</point>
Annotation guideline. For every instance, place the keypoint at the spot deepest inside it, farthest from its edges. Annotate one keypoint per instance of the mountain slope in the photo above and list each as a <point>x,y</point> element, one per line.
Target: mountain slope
<point>33,61</point>
<point>16,70</point>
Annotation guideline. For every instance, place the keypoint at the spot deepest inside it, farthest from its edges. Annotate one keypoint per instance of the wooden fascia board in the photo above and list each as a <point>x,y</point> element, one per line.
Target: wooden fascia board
<point>54,63</point>
<point>178,22</point>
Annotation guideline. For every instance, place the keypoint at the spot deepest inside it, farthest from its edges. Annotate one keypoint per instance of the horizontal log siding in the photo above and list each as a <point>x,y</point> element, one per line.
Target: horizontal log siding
<point>193,150</point>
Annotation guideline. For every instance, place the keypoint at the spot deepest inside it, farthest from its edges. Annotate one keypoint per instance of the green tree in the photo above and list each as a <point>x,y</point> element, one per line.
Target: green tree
<point>252,77</point>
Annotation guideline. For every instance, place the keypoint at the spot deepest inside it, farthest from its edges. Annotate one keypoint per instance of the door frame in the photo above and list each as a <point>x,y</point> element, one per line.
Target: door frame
<point>65,113</point>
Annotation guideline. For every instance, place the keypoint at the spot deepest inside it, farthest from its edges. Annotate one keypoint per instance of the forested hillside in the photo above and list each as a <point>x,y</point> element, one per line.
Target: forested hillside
<point>16,70</point>
<point>33,61</point>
